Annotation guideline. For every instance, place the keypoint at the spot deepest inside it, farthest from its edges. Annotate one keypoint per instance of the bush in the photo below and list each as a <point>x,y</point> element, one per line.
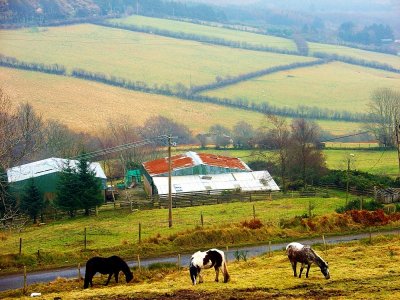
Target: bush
<point>252,224</point>
<point>355,205</point>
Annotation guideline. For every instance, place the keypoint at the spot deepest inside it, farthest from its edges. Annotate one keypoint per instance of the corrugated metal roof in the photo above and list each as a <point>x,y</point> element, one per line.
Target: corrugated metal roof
<point>191,159</point>
<point>246,181</point>
<point>47,166</point>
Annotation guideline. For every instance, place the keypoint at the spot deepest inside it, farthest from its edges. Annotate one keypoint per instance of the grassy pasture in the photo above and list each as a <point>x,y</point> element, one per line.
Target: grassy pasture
<point>335,86</point>
<point>359,270</point>
<point>87,106</point>
<point>117,231</point>
<point>375,162</point>
<point>135,56</point>
<point>391,60</point>
<point>371,161</point>
<point>209,31</point>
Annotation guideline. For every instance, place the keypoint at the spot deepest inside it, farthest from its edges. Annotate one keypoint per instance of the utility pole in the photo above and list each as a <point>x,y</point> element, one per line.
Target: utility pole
<point>169,183</point>
<point>348,179</point>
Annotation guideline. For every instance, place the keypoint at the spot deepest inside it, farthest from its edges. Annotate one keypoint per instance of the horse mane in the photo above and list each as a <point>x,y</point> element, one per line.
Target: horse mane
<point>318,259</point>
<point>124,265</point>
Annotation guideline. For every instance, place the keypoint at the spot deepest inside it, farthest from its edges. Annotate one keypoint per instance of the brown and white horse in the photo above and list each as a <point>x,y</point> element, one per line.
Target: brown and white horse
<point>306,256</point>
<point>205,260</point>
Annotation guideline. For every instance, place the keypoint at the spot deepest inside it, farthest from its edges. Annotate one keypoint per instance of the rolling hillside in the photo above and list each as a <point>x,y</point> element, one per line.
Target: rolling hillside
<point>216,31</point>
<point>87,106</point>
<point>335,86</point>
<point>135,56</point>
<point>159,61</point>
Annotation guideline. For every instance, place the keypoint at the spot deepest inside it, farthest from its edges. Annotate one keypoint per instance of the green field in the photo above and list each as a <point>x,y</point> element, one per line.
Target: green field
<point>358,270</point>
<point>209,31</point>
<point>392,60</point>
<point>375,162</point>
<point>117,230</point>
<point>58,97</point>
<point>371,161</point>
<point>335,86</point>
<point>135,56</point>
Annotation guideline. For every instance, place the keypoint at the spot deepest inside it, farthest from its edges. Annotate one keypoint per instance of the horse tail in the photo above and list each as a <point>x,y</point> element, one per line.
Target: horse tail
<point>225,270</point>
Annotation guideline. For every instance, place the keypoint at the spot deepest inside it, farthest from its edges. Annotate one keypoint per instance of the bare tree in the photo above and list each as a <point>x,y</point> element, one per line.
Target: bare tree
<point>305,158</point>
<point>384,109</point>
<point>20,138</point>
<point>279,137</point>
<point>243,135</point>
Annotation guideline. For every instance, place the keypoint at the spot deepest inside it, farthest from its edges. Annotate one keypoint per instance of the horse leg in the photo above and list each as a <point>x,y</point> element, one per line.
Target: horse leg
<point>116,276</point>
<point>308,269</point>
<point>200,278</point>
<point>294,267</point>
<point>109,277</point>
<point>216,274</point>
<point>301,270</point>
<point>87,281</point>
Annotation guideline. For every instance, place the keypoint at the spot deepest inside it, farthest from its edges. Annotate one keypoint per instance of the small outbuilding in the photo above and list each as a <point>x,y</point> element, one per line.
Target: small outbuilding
<point>197,172</point>
<point>388,195</point>
<point>45,174</point>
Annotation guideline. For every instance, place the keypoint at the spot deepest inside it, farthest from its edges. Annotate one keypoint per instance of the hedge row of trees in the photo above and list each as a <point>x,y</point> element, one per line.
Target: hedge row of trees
<point>222,82</point>
<point>12,62</point>
<point>197,38</point>
<point>356,61</point>
<point>181,91</point>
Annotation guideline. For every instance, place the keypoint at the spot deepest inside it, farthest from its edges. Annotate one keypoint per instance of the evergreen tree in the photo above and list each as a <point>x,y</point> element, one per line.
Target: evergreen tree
<point>89,186</point>
<point>32,202</point>
<point>67,191</point>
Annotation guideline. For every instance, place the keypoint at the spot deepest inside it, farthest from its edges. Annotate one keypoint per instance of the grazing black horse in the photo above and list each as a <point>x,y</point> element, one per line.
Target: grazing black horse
<point>306,256</point>
<point>110,265</point>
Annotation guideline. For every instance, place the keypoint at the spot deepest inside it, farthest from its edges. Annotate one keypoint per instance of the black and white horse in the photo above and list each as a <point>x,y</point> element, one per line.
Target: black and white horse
<point>205,260</point>
<point>306,256</point>
<point>111,265</point>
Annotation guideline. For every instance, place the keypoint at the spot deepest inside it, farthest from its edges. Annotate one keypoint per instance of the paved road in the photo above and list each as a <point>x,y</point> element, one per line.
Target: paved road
<point>16,281</point>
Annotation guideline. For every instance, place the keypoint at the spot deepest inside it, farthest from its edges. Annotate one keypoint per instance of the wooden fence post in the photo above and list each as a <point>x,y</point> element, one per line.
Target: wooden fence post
<point>20,246</point>
<point>79,272</point>
<point>140,233</point>
<point>179,262</point>
<point>138,259</point>
<point>202,219</point>
<point>226,256</point>
<point>269,248</point>
<point>323,238</point>
<point>96,210</point>
<point>25,284</point>
<point>254,212</point>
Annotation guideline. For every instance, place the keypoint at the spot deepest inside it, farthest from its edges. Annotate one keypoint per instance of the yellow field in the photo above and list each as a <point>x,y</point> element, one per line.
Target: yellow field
<point>203,30</point>
<point>335,86</point>
<point>358,270</point>
<point>85,105</point>
<point>392,60</point>
<point>135,56</point>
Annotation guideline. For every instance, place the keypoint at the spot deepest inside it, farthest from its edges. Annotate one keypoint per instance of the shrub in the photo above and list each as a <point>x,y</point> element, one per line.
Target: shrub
<point>252,224</point>
<point>355,205</point>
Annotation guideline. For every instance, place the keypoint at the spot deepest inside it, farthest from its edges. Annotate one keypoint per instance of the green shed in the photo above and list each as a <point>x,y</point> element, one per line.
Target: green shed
<point>45,174</point>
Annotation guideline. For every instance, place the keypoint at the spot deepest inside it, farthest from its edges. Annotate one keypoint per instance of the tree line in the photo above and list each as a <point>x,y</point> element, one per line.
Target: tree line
<point>356,61</point>
<point>12,62</point>
<point>181,91</point>
<point>222,82</point>
<point>44,11</point>
<point>196,38</point>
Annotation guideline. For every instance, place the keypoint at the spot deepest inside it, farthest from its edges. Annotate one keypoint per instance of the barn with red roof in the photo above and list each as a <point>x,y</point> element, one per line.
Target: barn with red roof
<point>195,172</point>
